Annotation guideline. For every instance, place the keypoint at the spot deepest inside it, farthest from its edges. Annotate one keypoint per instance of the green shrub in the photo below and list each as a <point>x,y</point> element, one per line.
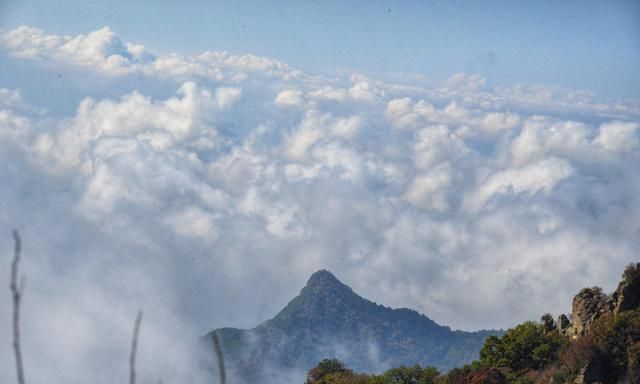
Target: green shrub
<point>326,368</point>
<point>527,346</point>
<point>409,375</point>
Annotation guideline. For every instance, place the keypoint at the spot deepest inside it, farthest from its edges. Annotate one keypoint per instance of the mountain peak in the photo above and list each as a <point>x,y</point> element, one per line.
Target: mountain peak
<point>328,319</point>
<point>323,295</point>
<point>322,277</point>
<point>324,283</point>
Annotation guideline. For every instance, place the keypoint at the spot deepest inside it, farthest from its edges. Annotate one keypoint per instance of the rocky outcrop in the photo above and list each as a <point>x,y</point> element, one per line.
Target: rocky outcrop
<point>591,303</point>
<point>588,305</point>
<point>627,296</point>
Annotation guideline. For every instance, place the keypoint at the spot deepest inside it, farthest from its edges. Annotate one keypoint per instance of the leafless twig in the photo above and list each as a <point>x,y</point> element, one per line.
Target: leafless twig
<point>134,348</point>
<point>218,350</point>
<point>16,293</point>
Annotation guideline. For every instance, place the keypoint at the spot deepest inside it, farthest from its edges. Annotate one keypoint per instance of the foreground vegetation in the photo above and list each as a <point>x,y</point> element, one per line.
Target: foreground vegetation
<point>606,352</point>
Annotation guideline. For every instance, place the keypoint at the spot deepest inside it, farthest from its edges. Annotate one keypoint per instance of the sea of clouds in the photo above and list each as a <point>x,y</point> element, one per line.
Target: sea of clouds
<point>205,189</point>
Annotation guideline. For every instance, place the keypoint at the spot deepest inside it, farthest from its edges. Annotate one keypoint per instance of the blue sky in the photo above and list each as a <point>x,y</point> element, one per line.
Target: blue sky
<point>593,45</point>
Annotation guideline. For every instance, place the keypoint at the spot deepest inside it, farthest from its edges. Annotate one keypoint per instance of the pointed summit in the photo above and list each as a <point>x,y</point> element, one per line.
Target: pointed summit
<point>328,319</point>
<point>324,283</point>
<point>323,277</point>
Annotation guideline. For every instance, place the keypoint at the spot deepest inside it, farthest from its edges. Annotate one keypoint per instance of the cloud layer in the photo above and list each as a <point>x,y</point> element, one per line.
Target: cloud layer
<point>209,188</point>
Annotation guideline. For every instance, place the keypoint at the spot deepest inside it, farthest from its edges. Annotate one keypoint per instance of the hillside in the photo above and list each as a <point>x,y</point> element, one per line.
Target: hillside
<point>327,319</point>
<point>597,343</point>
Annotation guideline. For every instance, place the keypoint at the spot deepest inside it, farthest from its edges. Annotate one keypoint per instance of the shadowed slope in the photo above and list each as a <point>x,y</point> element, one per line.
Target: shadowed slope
<point>327,319</point>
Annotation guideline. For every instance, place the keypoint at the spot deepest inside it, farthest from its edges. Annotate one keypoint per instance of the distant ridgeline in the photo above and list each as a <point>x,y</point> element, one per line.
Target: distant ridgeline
<point>328,320</point>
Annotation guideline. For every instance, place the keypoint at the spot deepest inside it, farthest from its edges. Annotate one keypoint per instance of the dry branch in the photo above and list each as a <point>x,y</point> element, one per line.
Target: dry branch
<point>134,348</point>
<point>16,294</point>
<point>218,350</point>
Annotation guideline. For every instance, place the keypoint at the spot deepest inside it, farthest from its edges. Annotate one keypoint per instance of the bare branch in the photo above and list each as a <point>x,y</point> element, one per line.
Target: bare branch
<point>16,294</point>
<point>218,350</point>
<point>134,348</point>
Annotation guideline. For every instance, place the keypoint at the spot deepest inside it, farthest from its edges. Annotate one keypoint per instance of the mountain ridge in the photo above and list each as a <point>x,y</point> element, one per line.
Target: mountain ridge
<point>328,319</point>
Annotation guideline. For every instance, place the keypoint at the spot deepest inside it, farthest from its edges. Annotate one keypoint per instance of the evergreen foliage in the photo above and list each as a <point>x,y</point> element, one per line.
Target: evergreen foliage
<point>527,346</point>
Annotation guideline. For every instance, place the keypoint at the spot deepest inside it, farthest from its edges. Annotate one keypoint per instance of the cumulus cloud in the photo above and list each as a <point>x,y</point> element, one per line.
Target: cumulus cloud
<point>404,113</point>
<point>347,127</point>
<point>618,136</point>
<point>536,177</point>
<point>289,97</point>
<point>161,123</point>
<point>310,130</point>
<point>209,192</point>
<point>428,190</point>
<point>12,115</point>
<point>101,48</point>
<point>193,222</point>
<point>498,121</point>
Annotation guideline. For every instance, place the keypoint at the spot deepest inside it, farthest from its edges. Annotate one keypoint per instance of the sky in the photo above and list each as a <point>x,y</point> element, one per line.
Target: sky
<point>592,45</point>
<point>200,162</point>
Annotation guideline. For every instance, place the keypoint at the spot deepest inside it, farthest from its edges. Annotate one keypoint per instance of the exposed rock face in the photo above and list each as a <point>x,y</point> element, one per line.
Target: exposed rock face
<point>627,296</point>
<point>588,305</point>
<point>591,303</point>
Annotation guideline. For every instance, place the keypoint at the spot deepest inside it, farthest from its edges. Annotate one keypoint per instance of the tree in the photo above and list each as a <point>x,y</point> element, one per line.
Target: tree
<point>409,375</point>
<point>632,272</point>
<point>326,367</point>
<point>548,322</point>
<point>616,337</point>
<point>527,346</point>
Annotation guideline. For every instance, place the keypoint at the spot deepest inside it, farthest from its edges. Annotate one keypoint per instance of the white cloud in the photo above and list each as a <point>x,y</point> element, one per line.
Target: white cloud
<point>10,97</point>
<point>428,190</point>
<point>362,90</point>
<point>216,169</point>
<point>339,157</point>
<point>101,48</point>
<point>348,127</point>
<point>532,178</point>
<point>618,136</point>
<point>310,130</point>
<point>104,51</point>
<point>193,222</point>
<point>176,119</point>
<point>280,219</point>
<point>498,121</point>
<point>104,190</point>
<point>329,93</point>
<point>435,144</point>
<point>289,97</point>
<point>466,81</point>
<point>399,113</point>
<point>236,171</point>
<point>227,96</point>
